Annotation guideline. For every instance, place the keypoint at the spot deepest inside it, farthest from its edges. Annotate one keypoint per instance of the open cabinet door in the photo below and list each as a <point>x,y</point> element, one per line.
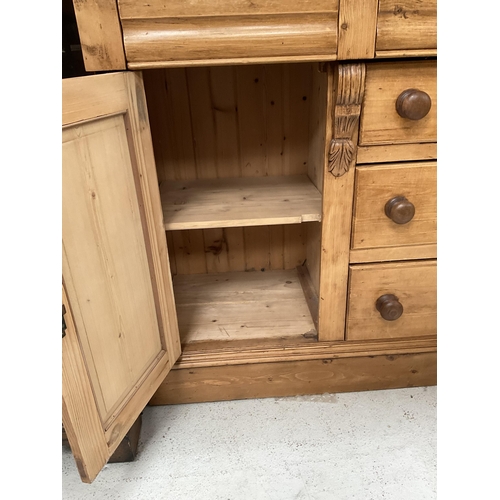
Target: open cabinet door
<point>122,336</point>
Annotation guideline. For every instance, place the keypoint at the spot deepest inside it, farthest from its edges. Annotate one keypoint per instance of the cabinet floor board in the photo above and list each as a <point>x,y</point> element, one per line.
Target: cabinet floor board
<point>241,305</point>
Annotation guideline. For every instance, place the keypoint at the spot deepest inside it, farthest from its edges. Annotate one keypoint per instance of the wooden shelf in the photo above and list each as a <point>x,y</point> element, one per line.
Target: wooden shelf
<point>241,306</point>
<point>242,201</point>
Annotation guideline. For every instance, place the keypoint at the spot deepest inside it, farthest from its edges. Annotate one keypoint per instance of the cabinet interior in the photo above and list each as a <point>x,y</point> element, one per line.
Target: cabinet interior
<point>239,153</point>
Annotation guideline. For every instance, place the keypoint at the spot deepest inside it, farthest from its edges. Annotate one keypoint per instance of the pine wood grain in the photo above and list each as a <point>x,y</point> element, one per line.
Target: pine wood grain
<point>414,283</point>
<point>345,92</point>
<point>235,240</point>
<point>251,248</point>
<point>100,35</point>
<point>130,9</point>
<point>257,248</point>
<point>380,122</point>
<point>295,245</point>
<point>225,353</point>
<point>396,152</point>
<point>200,96</point>
<point>111,245</point>
<point>234,202</point>
<point>217,258</point>
<point>310,293</point>
<point>393,54</point>
<point>357,29</point>
<point>233,62</point>
<point>98,96</point>
<point>251,109</point>
<point>295,378</point>
<point>297,90</point>
<point>146,178</point>
<point>241,305</point>
<point>407,24</point>
<point>313,254</point>
<point>377,184</point>
<point>315,166</point>
<point>80,414</point>
<point>317,126</point>
<point>189,251</point>
<point>384,254</point>
<point>227,122</point>
<point>229,30</point>
<point>161,40</point>
<point>223,122</point>
<point>115,261</point>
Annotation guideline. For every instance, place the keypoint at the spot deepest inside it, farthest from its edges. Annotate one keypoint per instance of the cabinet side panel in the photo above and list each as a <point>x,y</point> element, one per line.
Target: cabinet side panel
<point>316,163</point>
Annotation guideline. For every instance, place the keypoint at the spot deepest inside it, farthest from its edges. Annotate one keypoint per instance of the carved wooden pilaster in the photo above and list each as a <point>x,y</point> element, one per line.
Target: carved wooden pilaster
<point>346,111</point>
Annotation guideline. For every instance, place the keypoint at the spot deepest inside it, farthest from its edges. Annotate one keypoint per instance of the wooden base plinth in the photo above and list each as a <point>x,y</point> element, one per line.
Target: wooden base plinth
<point>293,378</point>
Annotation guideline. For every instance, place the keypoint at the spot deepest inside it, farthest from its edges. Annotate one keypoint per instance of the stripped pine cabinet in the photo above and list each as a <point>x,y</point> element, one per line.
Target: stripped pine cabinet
<point>257,205</point>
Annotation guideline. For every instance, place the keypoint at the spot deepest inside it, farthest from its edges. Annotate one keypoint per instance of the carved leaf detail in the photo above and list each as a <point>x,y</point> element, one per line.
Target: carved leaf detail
<point>340,156</point>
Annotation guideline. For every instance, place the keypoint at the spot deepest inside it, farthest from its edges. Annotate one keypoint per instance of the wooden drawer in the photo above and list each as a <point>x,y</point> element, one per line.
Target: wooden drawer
<point>414,286</point>
<point>375,186</point>
<point>385,82</point>
<point>159,33</point>
<point>406,25</point>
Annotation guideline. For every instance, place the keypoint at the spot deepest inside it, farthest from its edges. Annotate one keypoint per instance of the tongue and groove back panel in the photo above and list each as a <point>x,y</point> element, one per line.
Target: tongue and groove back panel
<point>240,121</point>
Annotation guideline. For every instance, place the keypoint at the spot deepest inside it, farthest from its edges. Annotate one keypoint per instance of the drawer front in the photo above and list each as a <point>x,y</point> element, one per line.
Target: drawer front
<point>406,25</point>
<point>395,205</point>
<point>159,33</point>
<point>407,86</point>
<point>378,293</point>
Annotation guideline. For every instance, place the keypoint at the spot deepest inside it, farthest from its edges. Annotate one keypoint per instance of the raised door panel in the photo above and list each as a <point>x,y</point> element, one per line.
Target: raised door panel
<point>115,264</point>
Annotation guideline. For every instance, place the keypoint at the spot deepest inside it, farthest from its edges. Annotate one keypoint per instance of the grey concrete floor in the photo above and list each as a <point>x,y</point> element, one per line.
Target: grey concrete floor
<point>364,446</point>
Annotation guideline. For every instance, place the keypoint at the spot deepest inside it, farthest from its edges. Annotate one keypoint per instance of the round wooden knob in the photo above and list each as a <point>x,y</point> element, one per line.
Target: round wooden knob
<point>400,210</point>
<point>413,104</point>
<point>389,307</point>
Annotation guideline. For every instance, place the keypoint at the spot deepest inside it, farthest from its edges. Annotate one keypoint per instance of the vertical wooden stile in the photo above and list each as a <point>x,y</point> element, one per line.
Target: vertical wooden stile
<point>316,163</point>
<point>100,33</point>
<point>345,93</point>
<point>357,29</point>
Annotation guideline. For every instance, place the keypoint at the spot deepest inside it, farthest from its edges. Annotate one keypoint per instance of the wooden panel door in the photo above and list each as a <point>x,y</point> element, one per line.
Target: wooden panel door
<point>122,336</point>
